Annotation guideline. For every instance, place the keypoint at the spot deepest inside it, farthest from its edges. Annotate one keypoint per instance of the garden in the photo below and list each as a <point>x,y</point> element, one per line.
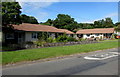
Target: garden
<point>44,40</point>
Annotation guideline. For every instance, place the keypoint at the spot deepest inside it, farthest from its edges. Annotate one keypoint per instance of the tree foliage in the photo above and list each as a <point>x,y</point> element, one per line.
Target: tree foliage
<point>48,22</point>
<point>117,26</point>
<point>63,21</point>
<point>107,23</point>
<point>86,26</point>
<point>10,13</point>
<point>67,22</point>
<point>118,23</point>
<point>28,19</point>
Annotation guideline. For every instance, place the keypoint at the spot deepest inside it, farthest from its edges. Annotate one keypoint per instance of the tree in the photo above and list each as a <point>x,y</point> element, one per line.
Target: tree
<point>10,13</point>
<point>85,26</point>
<point>118,23</point>
<point>49,22</point>
<point>28,19</point>
<point>108,23</point>
<point>65,21</point>
<point>99,24</point>
<point>117,26</point>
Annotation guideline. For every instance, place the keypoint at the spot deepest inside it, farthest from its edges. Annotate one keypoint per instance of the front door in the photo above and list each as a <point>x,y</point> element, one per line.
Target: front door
<point>20,37</point>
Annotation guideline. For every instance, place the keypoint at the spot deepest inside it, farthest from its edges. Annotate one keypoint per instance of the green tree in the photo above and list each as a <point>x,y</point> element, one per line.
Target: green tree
<point>49,22</point>
<point>117,26</point>
<point>28,19</point>
<point>108,23</point>
<point>10,13</point>
<point>99,24</point>
<point>65,21</point>
<point>87,26</point>
<point>118,23</point>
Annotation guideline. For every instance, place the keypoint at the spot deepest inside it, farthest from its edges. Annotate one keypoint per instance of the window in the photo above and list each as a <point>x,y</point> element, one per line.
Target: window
<point>10,36</point>
<point>34,35</point>
<point>88,35</point>
<point>97,34</point>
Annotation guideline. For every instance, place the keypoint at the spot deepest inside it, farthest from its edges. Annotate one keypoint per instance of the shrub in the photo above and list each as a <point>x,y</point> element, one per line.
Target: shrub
<point>81,39</point>
<point>42,36</point>
<point>115,36</point>
<point>49,40</point>
<point>29,42</point>
<point>54,41</point>
<point>39,43</point>
<point>71,39</point>
<point>62,38</point>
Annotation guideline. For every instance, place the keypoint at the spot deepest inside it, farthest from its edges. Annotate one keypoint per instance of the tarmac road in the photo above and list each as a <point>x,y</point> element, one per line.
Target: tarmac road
<point>76,65</point>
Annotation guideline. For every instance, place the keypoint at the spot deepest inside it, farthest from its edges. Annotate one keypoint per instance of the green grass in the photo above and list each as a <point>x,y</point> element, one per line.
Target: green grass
<point>7,48</point>
<point>110,40</point>
<point>41,53</point>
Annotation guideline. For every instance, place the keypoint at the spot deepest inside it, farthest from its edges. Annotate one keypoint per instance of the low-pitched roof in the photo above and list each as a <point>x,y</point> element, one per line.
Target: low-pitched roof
<point>100,30</point>
<point>36,27</point>
<point>66,31</point>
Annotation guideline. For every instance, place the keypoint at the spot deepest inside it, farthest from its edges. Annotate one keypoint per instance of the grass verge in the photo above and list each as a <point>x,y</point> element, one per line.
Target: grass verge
<point>41,53</point>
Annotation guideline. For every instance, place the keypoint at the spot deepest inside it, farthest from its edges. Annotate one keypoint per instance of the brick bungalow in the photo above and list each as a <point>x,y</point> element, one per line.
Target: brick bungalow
<point>104,33</point>
<point>29,32</point>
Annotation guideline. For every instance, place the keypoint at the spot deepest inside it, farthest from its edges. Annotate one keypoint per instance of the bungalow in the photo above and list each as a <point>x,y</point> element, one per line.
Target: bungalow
<point>101,33</point>
<point>29,32</point>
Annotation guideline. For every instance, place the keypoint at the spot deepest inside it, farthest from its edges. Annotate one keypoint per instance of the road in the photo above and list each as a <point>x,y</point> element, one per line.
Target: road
<point>75,65</point>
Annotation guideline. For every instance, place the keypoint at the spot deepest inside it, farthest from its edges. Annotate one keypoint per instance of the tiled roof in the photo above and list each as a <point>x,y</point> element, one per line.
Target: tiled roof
<point>100,30</point>
<point>36,27</point>
<point>66,31</point>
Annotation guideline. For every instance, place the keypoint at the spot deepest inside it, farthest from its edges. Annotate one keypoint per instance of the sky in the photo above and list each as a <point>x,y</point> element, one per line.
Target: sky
<point>82,12</point>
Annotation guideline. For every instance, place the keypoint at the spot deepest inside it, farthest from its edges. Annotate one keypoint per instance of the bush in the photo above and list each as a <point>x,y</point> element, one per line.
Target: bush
<point>71,39</point>
<point>62,38</point>
<point>115,36</point>
<point>54,40</point>
<point>65,38</point>
<point>81,39</point>
<point>29,42</point>
<point>39,43</point>
<point>49,40</point>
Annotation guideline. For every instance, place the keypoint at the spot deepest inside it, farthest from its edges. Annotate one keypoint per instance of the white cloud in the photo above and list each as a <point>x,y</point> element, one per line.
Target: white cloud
<point>41,16</point>
<point>36,3</point>
<point>111,15</point>
<point>34,6</point>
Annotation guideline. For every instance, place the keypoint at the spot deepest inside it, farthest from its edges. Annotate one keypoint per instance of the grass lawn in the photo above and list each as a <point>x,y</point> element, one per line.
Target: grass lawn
<point>41,53</point>
<point>7,48</point>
